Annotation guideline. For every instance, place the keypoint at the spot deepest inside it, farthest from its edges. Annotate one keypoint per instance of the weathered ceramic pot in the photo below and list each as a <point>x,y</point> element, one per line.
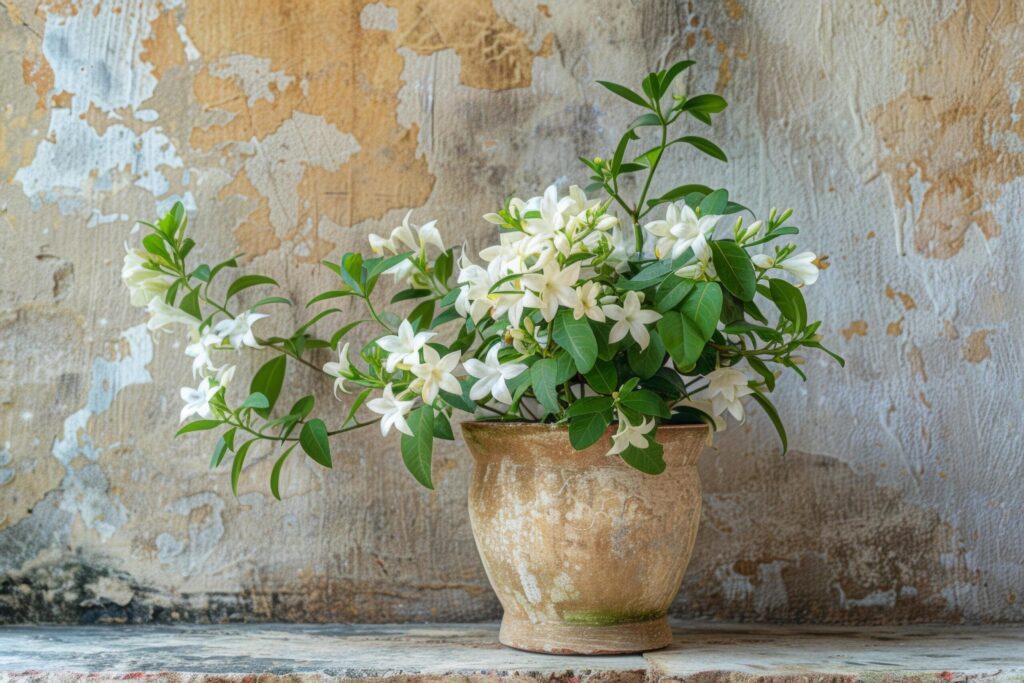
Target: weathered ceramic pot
<point>585,553</point>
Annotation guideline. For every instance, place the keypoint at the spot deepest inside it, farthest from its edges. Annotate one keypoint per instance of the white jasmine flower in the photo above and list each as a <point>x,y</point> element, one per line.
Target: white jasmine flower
<point>405,346</point>
<point>378,244</point>
<point>802,267</point>
<point>429,234</point>
<point>750,232</point>
<point>199,352</point>
<point>339,370</point>
<point>143,283</point>
<point>225,375</point>
<point>726,386</point>
<point>763,261</point>
<point>197,401</point>
<point>492,375</point>
<point>435,373</point>
<point>393,412</point>
<point>550,288</point>
<point>630,435</point>
<point>162,314</point>
<point>238,332</point>
<point>586,302</point>
<point>631,319</point>
<point>677,232</point>
<point>703,268</point>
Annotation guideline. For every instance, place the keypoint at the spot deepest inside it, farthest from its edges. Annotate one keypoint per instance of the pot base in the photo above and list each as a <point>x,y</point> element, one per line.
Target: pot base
<point>585,639</point>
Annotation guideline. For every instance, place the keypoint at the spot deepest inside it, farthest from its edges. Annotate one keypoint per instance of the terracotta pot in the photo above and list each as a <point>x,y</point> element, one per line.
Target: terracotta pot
<point>585,553</point>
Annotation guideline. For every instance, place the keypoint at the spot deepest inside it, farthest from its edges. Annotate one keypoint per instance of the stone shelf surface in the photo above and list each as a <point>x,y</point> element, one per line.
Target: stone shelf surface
<point>467,653</point>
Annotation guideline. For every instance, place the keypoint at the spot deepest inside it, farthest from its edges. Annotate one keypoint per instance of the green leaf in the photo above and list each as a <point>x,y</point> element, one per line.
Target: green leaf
<point>330,294</point>
<point>681,337</point>
<point>199,426</point>
<point>387,263</point>
<point>154,244</point>
<point>620,149</point>
<point>417,450</point>
<point>255,400</point>
<point>760,368</point>
<point>670,75</point>
<point>303,407</point>
<point>626,94</point>
<point>648,119</point>
<point>422,315</point>
<point>681,192</point>
<point>648,460</point>
<point>223,445</point>
<point>313,439</point>
<point>704,145</point>
<point>190,304</point>
<point>407,294</point>
<point>648,276</point>
<point>590,404</point>
<point>267,300</point>
<point>602,378</point>
<point>345,329</point>
<point>714,204</point>
<point>705,104</point>
<point>247,281</point>
<point>268,381</point>
<point>703,307</point>
<point>789,300</point>
<point>586,430</point>
<point>275,474</point>
<point>442,427</point>
<point>576,337</point>
<point>647,361</point>
<point>202,273</point>
<point>734,268</point>
<point>773,415</point>
<point>543,376</point>
<point>671,291</point>
<point>646,403</point>
<point>236,464</point>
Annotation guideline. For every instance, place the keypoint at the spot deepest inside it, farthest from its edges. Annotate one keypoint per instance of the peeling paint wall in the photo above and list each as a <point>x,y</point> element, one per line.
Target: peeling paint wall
<point>294,129</point>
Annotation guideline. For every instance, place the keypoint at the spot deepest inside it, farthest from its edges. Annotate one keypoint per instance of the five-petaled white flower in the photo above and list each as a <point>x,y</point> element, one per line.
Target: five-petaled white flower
<point>197,401</point>
<point>392,411</point>
<point>405,346</point>
<point>339,370</point>
<point>435,373</point>
<point>238,332</point>
<point>677,232</point>
<point>199,352</point>
<point>550,288</point>
<point>587,304</point>
<point>632,320</point>
<point>726,386</point>
<point>491,376</point>
<point>630,435</point>
<point>703,267</point>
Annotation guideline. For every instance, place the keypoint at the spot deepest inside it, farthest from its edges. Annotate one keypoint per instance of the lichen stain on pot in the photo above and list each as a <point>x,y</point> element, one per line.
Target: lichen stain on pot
<point>584,552</point>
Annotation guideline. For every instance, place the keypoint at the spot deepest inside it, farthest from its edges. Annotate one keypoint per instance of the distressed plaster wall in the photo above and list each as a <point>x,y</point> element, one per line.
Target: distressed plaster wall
<point>292,130</point>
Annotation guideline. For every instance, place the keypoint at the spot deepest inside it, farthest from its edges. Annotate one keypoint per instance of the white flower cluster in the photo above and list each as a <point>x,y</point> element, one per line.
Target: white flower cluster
<point>408,350</point>
<point>148,289</point>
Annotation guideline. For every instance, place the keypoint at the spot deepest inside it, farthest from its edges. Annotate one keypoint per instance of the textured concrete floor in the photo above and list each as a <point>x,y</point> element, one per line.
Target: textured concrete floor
<point>470,652</point>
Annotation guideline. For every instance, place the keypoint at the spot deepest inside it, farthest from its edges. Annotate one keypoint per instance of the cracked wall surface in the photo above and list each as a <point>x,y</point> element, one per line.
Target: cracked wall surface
<point>292,130</point>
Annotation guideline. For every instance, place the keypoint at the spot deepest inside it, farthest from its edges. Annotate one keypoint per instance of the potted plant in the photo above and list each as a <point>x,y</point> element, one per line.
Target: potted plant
<point>597,344</point>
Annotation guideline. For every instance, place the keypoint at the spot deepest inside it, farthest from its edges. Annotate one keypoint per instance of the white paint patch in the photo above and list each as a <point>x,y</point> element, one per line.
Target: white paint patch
<point>97,218</point>
<point>191,53</point>
<point>529,583</point>
<point>254,75</point>
<point>192,557</point>
<point>276,164</point>
<point>86,489</point>
<point>378,17</point>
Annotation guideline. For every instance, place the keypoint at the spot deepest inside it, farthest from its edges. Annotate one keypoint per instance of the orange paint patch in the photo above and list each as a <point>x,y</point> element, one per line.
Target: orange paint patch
<point>163,48</point>
<point>976,347</point>
<point>858,328</point>
<point>907,300</point>
<point>545,10</point>
<point>942,133</point>
<point>916,360</point>
<point>895,329</point>
<point>38,74</point>
<point>493,53</point>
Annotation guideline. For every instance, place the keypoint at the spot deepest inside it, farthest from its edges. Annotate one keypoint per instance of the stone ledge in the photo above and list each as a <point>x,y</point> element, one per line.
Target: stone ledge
<point>469,653</point>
